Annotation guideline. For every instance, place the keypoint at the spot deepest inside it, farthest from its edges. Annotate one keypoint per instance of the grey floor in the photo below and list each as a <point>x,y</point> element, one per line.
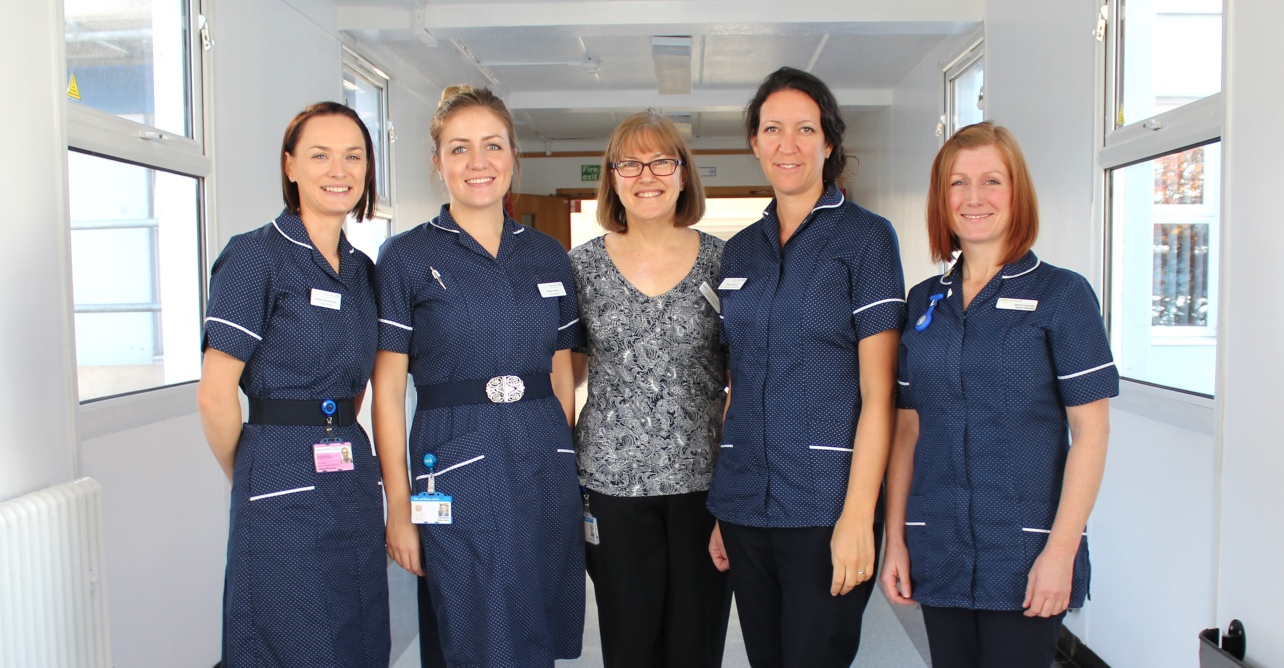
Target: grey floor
<point>891,636</point>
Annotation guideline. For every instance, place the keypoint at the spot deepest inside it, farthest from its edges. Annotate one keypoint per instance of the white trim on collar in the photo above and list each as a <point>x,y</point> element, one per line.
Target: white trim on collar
<point>1037,262</point>
<point>434,224</point>
<point>841,198</point>
<point>292,239</point>
<point>519,230</point>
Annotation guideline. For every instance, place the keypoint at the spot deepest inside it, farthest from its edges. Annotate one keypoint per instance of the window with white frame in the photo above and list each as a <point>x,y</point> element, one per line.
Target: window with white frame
<point>136,179</point>
<point>1161,161</point>
<point>365,90</point>
<point>965,90</point>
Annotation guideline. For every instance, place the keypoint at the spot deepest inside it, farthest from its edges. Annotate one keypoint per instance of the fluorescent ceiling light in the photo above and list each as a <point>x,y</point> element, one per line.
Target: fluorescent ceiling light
<point>672,57</point>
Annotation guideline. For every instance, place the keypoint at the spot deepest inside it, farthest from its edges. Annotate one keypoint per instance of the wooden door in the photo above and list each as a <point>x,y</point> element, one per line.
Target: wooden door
<point>549,214</point>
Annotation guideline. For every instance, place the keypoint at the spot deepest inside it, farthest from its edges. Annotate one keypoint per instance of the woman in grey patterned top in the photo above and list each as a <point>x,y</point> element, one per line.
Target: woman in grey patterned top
<point>647,435</point>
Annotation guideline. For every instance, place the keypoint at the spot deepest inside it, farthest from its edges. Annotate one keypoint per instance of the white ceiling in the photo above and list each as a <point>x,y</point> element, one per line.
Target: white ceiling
<point>534,52</point>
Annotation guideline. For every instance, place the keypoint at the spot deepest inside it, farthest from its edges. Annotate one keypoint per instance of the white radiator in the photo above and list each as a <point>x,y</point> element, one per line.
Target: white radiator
<point>53,600</point>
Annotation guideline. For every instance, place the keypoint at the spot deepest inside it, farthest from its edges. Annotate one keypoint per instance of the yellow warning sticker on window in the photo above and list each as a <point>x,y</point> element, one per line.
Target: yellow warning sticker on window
<point>73,91</point>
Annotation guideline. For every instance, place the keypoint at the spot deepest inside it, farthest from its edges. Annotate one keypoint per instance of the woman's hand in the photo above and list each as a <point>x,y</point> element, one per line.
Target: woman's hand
<point>717,551</point>
<point>1047,592</point>
<point>851,549</point>
<point>403,545</point>
<point>896,573</point>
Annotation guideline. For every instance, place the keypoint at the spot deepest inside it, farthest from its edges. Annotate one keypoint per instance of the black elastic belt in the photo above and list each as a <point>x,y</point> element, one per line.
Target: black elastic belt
<point>497,390</point>
<point>300,412</point>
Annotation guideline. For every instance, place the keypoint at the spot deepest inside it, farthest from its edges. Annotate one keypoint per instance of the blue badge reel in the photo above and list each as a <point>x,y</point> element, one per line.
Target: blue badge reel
<point>430,506</point>
<point>332,454</point>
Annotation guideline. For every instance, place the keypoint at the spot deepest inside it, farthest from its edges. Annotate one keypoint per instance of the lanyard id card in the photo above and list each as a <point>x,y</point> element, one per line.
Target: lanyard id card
<point>431,506</point>
<point>591,535</point>
<point>331,454</point>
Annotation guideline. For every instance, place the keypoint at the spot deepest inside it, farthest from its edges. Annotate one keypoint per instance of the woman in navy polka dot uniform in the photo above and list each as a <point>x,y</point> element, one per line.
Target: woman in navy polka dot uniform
<point>292,320</point>
<point>1003,357</point>
<point>812,300</point>
<point>482,312</point>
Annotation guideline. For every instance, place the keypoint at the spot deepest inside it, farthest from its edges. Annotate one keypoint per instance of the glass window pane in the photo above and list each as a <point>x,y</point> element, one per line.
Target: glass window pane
<point>130,58</point>
<point>367,98</point>
<point>136,276</point>
<point>967,96</point>
<point>367,236</point>
<point>1171,54</point>
<point>1165,221</point>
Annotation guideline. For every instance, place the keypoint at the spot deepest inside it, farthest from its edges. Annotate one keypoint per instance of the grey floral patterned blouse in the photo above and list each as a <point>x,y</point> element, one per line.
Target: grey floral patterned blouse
<point>656,375</point>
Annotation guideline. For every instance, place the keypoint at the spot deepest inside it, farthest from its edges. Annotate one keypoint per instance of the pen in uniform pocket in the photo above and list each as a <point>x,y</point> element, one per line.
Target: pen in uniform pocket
<point>437,275</point>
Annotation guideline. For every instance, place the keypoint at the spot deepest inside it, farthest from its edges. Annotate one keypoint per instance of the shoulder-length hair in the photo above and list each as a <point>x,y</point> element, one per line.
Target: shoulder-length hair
<point>1025,204</point>
<point>365,208</point>
<point>648,130</point>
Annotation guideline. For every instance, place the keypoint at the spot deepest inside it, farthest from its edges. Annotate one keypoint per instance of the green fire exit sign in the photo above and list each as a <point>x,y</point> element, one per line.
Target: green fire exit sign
<point>590,172</point>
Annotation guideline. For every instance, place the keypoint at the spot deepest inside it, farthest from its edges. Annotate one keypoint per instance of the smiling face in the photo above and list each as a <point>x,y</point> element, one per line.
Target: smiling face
<point>980,198</point>
<point>648,198</point>
<point>329,167</point>
<point>790,144</point>
<point>475,158</point>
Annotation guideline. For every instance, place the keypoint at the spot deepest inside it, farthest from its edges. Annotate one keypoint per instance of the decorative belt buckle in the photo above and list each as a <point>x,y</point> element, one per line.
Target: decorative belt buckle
<point>505,389</point>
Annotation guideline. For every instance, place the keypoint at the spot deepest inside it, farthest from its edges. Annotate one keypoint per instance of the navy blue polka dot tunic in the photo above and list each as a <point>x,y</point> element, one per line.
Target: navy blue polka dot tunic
<point>507,578</point>
<point>991,386</point>
<point>306,570</point>
<point>792,321</point>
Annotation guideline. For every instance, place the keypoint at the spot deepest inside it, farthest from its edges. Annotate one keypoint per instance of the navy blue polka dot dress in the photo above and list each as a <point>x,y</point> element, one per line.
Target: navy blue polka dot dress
<point>991,386</point>
<point>792,320</point>
<point>306,571</point>
<point>506,579</point>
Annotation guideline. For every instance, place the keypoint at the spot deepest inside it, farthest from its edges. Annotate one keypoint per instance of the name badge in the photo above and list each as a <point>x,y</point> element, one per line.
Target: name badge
<point>732,283</point>
<point>712,296</point>
<point>330,457</point>
<point>554,289</point>
<point>1009,304</point>
<point>591,536</point>
<point>431,509</point>
<point>326,299</point>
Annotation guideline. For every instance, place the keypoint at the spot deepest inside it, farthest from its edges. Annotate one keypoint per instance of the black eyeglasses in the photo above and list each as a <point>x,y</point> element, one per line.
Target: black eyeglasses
<point>661,167</point>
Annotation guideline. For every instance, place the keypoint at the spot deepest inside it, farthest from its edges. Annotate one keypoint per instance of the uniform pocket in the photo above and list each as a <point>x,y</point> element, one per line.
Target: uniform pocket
<point>462,472</point>
<point>288,483</point>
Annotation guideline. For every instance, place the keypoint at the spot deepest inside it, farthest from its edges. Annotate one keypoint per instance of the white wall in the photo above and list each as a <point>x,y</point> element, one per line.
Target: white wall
<point>1252,540</point>
<point>37,381</point>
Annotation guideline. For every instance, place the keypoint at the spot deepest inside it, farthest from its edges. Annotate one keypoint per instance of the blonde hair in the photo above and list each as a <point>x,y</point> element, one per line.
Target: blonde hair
<point>459,97</point>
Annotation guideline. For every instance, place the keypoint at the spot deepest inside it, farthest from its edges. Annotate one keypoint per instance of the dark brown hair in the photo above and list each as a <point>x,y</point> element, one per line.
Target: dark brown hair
<point>831,119</point>
<point>653,131</point>
<point>365,207</point>
<point>1024,228</point>
<point>459,97</point>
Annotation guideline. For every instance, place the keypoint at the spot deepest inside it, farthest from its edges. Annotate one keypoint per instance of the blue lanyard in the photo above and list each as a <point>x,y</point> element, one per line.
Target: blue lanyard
<point>926,319</point>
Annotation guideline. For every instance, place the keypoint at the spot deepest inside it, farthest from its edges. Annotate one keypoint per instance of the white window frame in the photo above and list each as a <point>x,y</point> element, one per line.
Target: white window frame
<point>968,57</point>
<point>1194,124</point>
<point>384,140</point>
<point>111,137</point>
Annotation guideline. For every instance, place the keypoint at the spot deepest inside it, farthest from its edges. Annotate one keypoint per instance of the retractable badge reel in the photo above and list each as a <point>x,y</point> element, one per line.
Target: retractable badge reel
<point>590,523</point>
<point>332,454</point>
<point>431,506</point>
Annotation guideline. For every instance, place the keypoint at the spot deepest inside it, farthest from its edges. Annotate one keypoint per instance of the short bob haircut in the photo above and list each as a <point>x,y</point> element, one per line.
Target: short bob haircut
<point>653,132</point>
<point>461,97</point>
<point>831,119</point>
<point>365,208</point>
<point>1024,228</point>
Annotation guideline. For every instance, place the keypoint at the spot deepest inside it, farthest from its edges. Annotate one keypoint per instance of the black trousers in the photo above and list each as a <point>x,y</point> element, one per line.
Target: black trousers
<point>660,601</point>
<point>781,579</point>
<point>960,638</point>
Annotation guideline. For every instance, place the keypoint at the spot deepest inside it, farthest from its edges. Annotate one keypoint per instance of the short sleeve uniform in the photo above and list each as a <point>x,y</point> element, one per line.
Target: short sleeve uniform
<point>792,320</point>
<point>507,577</point>
<point>991,385</point>
<point>306,572</point>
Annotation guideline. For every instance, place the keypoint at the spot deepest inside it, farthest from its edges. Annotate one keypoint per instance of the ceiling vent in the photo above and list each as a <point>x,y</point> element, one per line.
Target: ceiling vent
<point>672,56</point>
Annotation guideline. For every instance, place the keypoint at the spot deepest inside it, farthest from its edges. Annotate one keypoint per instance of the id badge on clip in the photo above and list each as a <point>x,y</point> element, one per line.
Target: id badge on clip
<point>331,456</point>
<point>591,535</point>
<point>432,508</point>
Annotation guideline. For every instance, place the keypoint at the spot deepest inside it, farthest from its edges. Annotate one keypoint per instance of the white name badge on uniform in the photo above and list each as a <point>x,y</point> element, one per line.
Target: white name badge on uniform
<point>712,296</point>
<point>591,535</point>
<point>732,283</point>
<point>326,299</point>
<point>554,289</point>
<point>1010,304</point>
<point>332,457</point>
<point>431,509</point>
